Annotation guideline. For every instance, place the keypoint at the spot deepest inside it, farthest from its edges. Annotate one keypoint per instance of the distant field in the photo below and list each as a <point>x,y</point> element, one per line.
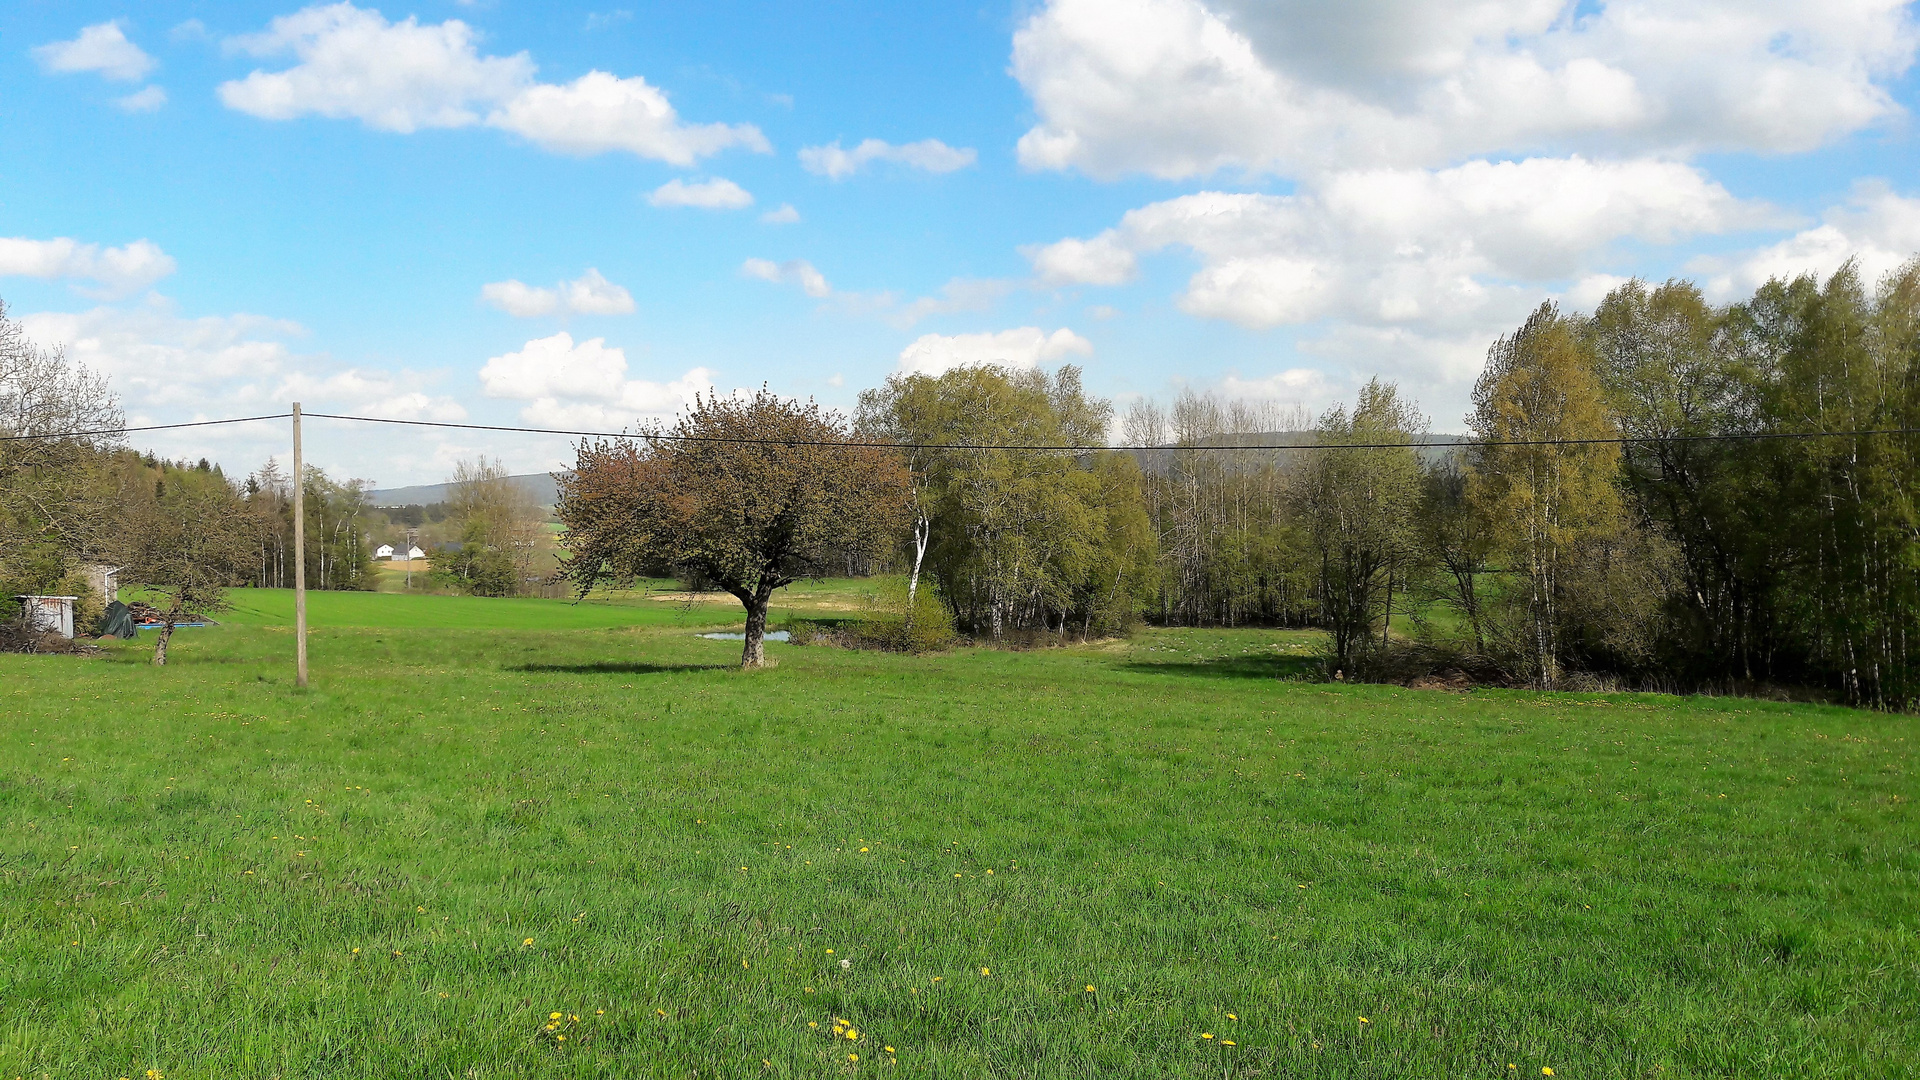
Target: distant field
<point>660,606</point>
<point>483,813</point>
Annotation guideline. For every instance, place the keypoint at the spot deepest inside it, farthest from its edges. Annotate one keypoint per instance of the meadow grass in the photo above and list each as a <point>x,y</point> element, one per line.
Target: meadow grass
<point>463,828</point>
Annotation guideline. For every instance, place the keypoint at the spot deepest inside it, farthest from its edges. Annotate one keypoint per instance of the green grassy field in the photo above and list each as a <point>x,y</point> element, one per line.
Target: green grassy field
<point>1168,857</point>
<point>658,605</point>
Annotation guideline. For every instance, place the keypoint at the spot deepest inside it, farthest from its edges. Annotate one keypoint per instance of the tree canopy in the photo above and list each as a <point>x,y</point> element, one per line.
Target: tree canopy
<point>743,494</point>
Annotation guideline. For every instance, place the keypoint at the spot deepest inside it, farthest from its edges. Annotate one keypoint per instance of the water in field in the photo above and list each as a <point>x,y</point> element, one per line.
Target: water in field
<point>777,635</point>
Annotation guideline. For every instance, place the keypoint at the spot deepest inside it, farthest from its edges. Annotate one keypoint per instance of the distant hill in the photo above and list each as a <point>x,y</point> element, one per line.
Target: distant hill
<point>539,485</point>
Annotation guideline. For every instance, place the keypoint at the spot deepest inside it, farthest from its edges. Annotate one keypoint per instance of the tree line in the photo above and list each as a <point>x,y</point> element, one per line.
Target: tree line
<point>1664,492</point>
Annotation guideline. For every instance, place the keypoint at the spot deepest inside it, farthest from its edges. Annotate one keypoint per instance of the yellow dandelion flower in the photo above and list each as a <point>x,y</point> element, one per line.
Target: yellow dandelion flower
<point>661,1013</point>
<point>421,910</point>
<point>853,1057</point>
<point>939,978</point>
<point>1090,988</point>
<point>1228,1042</point>
<point>599,1012</point>
<point>1206,1034</point>
<point>1364,1020</point>
<point>356,952</point>
<point>853,1035</point>
<point>986,971</point>
<point>863,849</point>
<point>889,1049</point>
<point>573,1018</point>
<point>560,1038</point>
<point>956,875</point>
<point>1230,1016</point>
<point>809,990</point>
<point>829,952</point>
<point>813,1024</point>
<point>526,943</point>
<point>553,1016</point>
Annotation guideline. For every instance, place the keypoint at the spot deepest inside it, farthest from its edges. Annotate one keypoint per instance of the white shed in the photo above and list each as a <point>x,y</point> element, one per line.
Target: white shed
<point>384,551</point>
<point>50,614</point>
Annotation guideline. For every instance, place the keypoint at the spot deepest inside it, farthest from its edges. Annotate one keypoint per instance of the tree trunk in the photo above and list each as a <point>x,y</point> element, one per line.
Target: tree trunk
<point>922,531</point>
<point>160,646</point>
<point>754,653</point>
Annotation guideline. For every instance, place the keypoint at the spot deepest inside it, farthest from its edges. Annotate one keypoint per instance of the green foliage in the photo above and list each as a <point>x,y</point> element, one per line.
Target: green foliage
<point>474,566</point>
<point>1356,500</point>
<point>1637,886</point>
<point>1229,548</point>
<point>893,621</point>
<point>1795,559</point>
<point>56,490</point>
<point>1019,540</point>
<point>746,495</point>
<point>185,540</point>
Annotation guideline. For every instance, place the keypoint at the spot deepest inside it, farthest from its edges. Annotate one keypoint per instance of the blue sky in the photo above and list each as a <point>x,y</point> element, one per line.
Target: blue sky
<point>400,210</point>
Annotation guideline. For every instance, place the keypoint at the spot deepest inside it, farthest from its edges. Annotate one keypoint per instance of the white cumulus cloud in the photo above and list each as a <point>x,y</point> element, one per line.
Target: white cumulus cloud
<point>1876,227</point>
<point>145,99</point>
<point>718,193</point>
<point>352,63</point>
<point>798,271</point>
<point>927,155</point>
<point>116,271</point>
<point>784,214</point>
<point>1177,88</point>
<point>589,294</point>
<point>102,48</point>
<point>1022,348</point>
<point>599,112</point>
<point>584,385</point>
<point>355,64</point>
<point>1403,246</point>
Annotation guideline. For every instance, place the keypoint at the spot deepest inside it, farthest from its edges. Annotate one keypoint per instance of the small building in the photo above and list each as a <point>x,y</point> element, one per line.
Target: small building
<point>415,553</point>
<point>384,551</point>
<point>49,614</point>
<point>104,580</point>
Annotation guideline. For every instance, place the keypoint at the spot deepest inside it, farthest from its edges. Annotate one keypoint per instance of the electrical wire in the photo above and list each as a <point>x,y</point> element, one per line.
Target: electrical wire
<point>1615,440</point>
<point>147,427</point>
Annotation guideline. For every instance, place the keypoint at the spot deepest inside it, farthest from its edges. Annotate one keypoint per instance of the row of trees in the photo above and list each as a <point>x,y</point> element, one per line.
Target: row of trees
<point>1665,490</point>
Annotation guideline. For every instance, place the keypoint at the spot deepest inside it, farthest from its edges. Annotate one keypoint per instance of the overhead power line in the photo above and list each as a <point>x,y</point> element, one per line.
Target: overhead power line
<point>1618,440</point>
<point>146,427</point>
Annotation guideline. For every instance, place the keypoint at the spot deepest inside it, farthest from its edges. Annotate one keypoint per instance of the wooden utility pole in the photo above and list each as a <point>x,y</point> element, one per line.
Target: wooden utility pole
<point>299,556</point>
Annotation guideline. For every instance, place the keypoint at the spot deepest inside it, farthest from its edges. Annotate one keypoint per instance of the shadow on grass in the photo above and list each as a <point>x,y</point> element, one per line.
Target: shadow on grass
<point>1292,668</point>
<point>615,667</point>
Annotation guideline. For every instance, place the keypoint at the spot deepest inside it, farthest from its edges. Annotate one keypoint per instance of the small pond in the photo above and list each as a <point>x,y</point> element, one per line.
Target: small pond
<point>777,635</point>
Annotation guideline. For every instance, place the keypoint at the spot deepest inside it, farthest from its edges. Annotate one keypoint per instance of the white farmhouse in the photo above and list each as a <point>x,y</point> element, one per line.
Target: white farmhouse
<point>384,551</point>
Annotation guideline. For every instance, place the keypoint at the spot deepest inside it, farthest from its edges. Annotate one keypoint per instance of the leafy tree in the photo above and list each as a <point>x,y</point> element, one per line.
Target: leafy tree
<point>747,495</point>
<point>501,533</point>
<point>1457,543</point>
<point>1229,547</point>
<point>1018,539</point>
<point>475,566</point>
<point>1552,494</point>
<point>187,536</point>
<point>56,489</point>
<point>1356,502</point>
